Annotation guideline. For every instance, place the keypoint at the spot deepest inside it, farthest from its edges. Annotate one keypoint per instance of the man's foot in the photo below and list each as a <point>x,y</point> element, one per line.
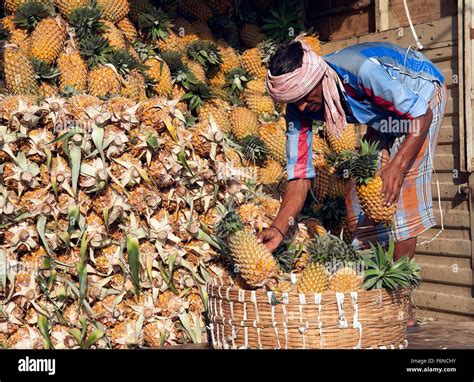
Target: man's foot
<point>412,325</point>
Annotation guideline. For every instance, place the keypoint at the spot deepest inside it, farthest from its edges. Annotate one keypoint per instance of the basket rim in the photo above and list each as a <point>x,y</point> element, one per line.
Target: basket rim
<point>219,283</point>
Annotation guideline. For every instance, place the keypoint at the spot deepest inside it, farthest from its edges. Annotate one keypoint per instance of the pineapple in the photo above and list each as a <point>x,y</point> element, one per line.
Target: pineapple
<point>135,87</point>
<point>251,35</point>
<point>104,81</point>
<point>244,122</point>
<point>159,73</point>
<point>320,183</point>
<point>260,103</point>
<point>231,58</point>
<point>314,279</point>
<point>319,145</point>
<point>20,77</point>
<point>369,186</point>
<point>11,6</point>
<point>196,69</point>
<point>73,71</point>
<point>346,141</point>
<point>20,38</point>
<point>252,63</point>
<point>48,39</point>
<point>338,186</point>
<point>172,43</point>
<point>275,139</point>
<point>313,42</point>
<point>271,173</point>
<point>65,7</point>
<point>345,280</point>
<point>113,35</point>
<point>253,261</point>
<point>128,29</point>
<point>47,89</point>
<point>114,10</point>
<point>218,109</point>
<point>195,9</point>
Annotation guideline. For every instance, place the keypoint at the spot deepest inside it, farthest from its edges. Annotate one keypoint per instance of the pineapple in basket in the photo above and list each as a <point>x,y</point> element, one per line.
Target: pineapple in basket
<point>369,186</point>
<point>326,253</point>
<point>252,260</point>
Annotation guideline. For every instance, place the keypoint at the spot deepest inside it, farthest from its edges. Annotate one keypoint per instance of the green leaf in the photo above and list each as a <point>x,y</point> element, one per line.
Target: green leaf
<point>44,329</point>
<point>133,252</point>
<point>75,159</point>
<point>95,336</point>
<point>41,228</point>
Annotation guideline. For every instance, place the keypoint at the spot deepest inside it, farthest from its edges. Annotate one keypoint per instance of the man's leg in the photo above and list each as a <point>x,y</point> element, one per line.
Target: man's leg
<point>406,248</point>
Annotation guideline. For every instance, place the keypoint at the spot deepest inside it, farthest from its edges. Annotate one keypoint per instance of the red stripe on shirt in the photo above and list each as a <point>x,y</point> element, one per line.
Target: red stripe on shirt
<point>382,102</point>
<point>302,161</point>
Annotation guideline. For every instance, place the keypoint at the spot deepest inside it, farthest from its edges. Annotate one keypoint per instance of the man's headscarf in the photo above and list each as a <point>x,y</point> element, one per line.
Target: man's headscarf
<point>293,86</point>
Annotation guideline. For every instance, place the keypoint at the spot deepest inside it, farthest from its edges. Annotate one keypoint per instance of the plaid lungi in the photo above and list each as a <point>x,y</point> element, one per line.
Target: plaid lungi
<point>414,213</point>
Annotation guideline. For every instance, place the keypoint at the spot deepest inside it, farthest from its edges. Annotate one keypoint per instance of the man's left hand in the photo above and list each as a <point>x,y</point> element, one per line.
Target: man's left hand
<point>392,177</point>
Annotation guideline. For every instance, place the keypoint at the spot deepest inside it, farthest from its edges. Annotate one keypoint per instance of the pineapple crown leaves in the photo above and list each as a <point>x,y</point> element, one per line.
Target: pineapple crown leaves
<point>205,53</point>
<point>230,222</point>
<point>123,62</point>
<point>364,164</point>
<point>144,50</point>
<point>87,21</point>
<point>43,70</point>
<point>284,23</point>
<point>382,272</point>
<point>95,50</point>
<point>341,162</point>
<point>267,48</point>
<point>286,254</point>
<point>154,24</point>
<point>254,149</point>
<point>29,14</point>
<point>236,81</point>
<point>180,72</point>
<point>197,94</point>
<point>333,211</point>
<point>331,248</point>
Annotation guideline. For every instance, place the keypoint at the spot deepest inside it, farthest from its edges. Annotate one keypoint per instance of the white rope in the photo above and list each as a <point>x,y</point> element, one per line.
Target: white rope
<point>340,308</point>
<point>415,36</point>
<point>356,323</point>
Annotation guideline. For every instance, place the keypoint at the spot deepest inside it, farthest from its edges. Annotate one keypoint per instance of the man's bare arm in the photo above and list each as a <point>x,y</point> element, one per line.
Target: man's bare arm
<point>292,204</point>
<point>393,173</point>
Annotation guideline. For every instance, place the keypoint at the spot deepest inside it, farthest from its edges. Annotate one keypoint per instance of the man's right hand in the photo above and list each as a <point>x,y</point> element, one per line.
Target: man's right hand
<point>271,238</point>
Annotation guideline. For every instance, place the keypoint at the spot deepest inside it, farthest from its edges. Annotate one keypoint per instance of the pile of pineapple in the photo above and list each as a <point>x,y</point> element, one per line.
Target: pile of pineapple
<point>129,133</point>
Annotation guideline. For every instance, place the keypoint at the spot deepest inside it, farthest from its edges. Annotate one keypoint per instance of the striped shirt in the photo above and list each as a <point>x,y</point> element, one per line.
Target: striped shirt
<point>382,82</point>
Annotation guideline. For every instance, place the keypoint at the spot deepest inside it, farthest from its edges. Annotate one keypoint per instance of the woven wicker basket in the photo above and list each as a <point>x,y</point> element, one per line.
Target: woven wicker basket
<point>244,319</point>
